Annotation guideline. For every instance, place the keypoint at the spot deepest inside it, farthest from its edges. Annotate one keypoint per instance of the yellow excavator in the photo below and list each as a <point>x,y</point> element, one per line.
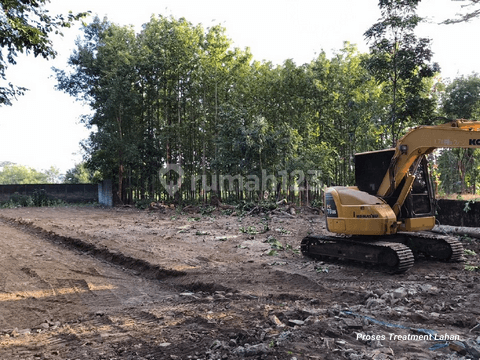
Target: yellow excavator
<point>382,220</point>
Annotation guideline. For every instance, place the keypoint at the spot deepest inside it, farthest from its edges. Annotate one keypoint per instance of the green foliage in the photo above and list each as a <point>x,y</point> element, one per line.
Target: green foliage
<point>278,246</point>
<point>462,97</point>
<point>401,61</point>
<point>53,175</point>
<point>469,252</point>
<point>207,210</point>
<point>25,26</point>
<point>176,93</point>
<point>272,253</point>
<point>18,200</point>
<point>459,168</point>
<point>38,198</point>
<point>19,174</point>
<point>251,230</point>
<point>467,207</point>
<point>275,243</point>
<point>260,206</point>
<point>321,269</point>
<point>283,231</point>
<point>469,267</point>
<point>80,174</point>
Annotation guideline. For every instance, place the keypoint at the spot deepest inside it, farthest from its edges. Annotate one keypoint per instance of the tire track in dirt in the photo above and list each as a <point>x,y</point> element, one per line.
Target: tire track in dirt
<point>141,267</point>
<point>48,312</point>
<point>191,281</point>
<point>283,307</point>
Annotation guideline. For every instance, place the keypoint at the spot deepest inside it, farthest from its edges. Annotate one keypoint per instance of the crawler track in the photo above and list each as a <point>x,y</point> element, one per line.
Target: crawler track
<point>395,256</point>
<point>438,247</point>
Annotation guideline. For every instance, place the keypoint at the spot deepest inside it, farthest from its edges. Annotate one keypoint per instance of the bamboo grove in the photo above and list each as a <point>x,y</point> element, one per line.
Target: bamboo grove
<point>176,93</point>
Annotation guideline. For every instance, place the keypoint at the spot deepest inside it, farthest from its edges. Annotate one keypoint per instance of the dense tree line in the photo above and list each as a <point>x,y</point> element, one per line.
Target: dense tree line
<point>178,98</point>
<point>176,93</point>
<point>11,173</point>
<point>458,169</point>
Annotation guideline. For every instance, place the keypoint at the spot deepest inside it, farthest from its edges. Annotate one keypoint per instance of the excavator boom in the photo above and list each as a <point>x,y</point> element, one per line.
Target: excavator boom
<point>422,141</point>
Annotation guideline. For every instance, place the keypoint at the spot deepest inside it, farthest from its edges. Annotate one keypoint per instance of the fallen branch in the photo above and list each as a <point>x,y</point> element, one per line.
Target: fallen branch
<point>215,201</point>
<point>190,209</point>
<point>457,230</point>
<point>256,208</point>
<point>282,213</point>
<point>314,209</point>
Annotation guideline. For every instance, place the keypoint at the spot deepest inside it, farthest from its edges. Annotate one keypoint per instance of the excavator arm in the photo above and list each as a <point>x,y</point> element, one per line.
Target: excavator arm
<point>422,141</point>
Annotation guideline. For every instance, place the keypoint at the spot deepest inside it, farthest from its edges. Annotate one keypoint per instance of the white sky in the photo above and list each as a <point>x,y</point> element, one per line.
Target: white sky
<point>42,128</point>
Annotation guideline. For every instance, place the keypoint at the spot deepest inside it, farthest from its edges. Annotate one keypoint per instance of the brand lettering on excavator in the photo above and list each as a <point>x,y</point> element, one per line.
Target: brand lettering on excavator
<point>474,142</point>
<point>369,216</point>
<point>330,206</point>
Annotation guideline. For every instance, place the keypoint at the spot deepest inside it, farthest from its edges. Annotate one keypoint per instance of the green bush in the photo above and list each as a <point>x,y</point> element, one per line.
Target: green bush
<point>20,200</point>
<point>38,198</point>
<point>143,204</point>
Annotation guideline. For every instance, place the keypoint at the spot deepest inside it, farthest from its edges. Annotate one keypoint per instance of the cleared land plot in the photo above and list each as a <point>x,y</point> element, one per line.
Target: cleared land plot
<point>126,284</point>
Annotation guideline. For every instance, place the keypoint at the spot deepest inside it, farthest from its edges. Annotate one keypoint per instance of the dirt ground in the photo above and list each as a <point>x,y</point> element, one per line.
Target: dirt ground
<point>121,283</point>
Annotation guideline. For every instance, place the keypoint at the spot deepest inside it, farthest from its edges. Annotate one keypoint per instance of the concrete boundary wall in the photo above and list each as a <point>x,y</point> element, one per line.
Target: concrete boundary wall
<point>452,212</point>
<point>70,193</point>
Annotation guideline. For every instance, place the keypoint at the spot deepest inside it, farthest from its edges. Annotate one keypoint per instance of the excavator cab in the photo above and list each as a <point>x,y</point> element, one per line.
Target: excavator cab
<point>370,167</point>
<point>358,210</point>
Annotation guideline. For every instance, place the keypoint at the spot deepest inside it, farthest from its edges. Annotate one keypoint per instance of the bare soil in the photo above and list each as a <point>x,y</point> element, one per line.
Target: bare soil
<point>94,283</point>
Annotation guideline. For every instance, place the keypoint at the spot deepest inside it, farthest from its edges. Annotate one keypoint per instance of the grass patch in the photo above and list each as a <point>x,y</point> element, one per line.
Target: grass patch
<point>251,230</point>
<point>469,252</point>
<point>472,267</point>
<point>39,198</point>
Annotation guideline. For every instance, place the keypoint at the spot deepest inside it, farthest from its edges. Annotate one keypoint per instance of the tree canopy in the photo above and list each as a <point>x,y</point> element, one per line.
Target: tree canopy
<point>176,100</point>
<point>402,62</point>
<point>459,168</point>
<point>19,174</point>
<point>462,97</point>
<point>79,174</point>
<point>176,93</point>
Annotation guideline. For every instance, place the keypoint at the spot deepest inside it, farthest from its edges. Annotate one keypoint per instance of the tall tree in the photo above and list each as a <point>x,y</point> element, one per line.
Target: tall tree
<point>25,26</point>
<point>104,75</point>
<point>401,61</point>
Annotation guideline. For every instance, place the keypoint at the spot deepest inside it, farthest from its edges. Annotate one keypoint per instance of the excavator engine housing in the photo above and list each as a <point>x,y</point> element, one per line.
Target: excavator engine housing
<point>351,211</point>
